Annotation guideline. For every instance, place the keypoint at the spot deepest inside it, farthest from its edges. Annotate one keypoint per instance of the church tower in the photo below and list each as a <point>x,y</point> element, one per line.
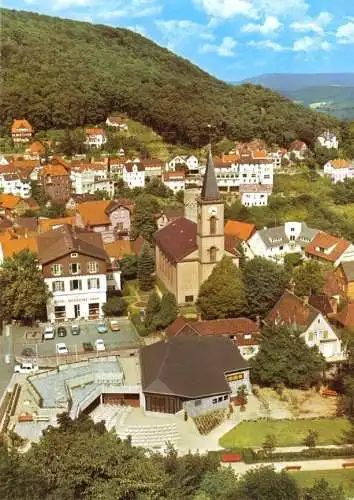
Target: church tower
<point>210,224</point>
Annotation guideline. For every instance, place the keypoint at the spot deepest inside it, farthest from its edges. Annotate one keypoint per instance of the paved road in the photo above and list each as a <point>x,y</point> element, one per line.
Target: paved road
<point>6,359</point>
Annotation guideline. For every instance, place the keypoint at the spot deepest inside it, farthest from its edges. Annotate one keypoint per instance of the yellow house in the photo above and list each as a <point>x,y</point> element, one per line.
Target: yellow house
<point>347,272</point>
<point>186,252</point>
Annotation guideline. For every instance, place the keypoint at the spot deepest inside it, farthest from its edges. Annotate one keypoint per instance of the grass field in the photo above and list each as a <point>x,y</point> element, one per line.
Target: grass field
<point>344,478</point>
<point>287,432</point>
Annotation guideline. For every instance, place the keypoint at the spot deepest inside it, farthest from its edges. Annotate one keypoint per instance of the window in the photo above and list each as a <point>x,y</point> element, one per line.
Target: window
<point>58,286</point>
<point>59,312</point>
<point>189,298</point>
<point>94,310</point>
<point>212,225</point>
<point>212,254</point>
<point>75,285</point>
<point>92,267</point>
<point>56,269</point>
<point>235,376</point>
<point>74,268</point>
<point>73,255</point>
<point>93,283</point>
<point>197,402</point>
<point>310,336</point>
<point>226,397</point>
<point>325,335</point>
<point>214,401</point>
<point>220,399</point>
<point>281,247</point>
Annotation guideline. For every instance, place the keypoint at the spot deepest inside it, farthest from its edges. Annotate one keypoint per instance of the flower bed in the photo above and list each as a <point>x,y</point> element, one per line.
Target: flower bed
<point>206,423</point>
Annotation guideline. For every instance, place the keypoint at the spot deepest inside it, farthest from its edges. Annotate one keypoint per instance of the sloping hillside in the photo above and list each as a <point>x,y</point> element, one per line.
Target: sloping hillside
<point>61,73</point>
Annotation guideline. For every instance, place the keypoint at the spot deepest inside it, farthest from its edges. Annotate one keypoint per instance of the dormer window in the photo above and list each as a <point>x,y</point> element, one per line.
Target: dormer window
<point>73,255</point>
<point>247,336</point>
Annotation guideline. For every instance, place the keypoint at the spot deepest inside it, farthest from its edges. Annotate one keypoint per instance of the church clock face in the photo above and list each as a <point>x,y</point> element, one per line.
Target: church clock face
<point>213,211</point>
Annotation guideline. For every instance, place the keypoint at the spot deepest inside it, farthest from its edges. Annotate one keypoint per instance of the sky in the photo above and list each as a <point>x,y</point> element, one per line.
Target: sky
<point>231,39</point>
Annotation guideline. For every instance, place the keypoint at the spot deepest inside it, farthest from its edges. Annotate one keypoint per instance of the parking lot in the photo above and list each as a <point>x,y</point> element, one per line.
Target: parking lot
<point>25,338</point>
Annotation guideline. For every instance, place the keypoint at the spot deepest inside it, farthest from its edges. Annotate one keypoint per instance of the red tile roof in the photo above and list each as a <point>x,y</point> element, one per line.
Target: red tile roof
<point>21,124</point>
<point>178,239</point>
<point>95,131</point>
<point>297,146</point>
<point>346,316</point>
<point>326,241</point>
<point>339,163</point>
<point>243,230</point>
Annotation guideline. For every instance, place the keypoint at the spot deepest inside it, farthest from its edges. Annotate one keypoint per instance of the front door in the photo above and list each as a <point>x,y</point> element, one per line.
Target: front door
<point>77,310</point>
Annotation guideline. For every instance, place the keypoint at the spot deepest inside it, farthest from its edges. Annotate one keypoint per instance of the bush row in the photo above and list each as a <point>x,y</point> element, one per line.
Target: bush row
<point>251,456</point>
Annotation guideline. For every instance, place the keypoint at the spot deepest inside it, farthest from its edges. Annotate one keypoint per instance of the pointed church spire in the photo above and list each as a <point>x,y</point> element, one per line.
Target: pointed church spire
<point>210,190</point>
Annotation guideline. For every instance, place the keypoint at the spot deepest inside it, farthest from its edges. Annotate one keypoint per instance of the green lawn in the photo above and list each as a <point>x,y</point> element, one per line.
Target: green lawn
<point>340,477</point>
<point>287,432</point>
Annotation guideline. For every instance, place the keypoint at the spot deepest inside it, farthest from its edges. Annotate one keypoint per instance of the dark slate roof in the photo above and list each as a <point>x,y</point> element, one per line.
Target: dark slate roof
<point>65,239</point>
<point>178,239</point>
<point>210,190</point>
<point>190,367</point>
<point>321,303</point>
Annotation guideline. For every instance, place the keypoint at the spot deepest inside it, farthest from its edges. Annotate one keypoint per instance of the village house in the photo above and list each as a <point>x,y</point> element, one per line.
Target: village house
<point>111,218</point>
<point>153,167</point>
<point>175,180</point>
<point>339,170</point>
<point>95,137</point>
<point>328,140</point>
<point>187,252</point>
<point>49,224</point>
<point>189,163</point>
<point>134,175</point>
<point>55,180</point>
<point>75,200</point>
<point>74,267</point>
<point>275,242</point>
<point>346,270</point>
<point>21,131</point>
<point>298,314</point>
<point>13,206</point>
<point>197,374</point>
<point>13,181</point>
<point>35,151</point>
<point>90,177</point>
<point>297,150</point>
<point>276,157</point>
<point>11,244</point>
<point>117,122</point>
<point>244,332</point>
<point>168,215</point>
<point>345,317</point>
<point>255,195</point>
<point>239,232</point>
<point>329,249</point>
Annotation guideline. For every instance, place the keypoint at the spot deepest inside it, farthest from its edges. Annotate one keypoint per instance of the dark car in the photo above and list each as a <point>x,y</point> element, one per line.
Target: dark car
<point>28,351</point>
<point>75,329</point>
<point>61,331</point>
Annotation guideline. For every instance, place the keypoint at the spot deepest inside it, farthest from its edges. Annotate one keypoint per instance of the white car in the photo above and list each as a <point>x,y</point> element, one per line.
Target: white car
<point>26,368</point>
<point>99,345</point>
<point>61,348</point>
<point>49,332</point>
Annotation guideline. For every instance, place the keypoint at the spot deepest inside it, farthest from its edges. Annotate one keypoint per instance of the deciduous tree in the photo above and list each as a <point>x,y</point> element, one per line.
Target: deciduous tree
<point>115,306</point>
<point>309,278</point>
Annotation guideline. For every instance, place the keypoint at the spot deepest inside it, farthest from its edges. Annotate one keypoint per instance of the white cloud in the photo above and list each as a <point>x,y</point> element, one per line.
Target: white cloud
<point>177,31</point>
<point>270,25</point>
<point>65,4</point>
<point>225,49</point>
<point>226,9</point>
<point>316,25</point>
<point>131,8</point>
<point>345,33</point>
<point>268,44</point>
<point>138,29</point>
<point>308,44</point>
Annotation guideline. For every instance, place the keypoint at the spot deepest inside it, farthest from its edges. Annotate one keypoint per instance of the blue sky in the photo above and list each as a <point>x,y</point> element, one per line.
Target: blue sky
<point>232,39</point>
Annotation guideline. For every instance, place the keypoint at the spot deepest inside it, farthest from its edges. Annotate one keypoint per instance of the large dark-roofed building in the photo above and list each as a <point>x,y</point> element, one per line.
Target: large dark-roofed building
<point>199,374</point>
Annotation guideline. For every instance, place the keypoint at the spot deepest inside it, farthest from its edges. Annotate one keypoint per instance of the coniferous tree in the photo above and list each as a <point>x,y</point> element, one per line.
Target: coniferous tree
<point>152,310</point>
<point>168,311</point>
<point>146,269</point>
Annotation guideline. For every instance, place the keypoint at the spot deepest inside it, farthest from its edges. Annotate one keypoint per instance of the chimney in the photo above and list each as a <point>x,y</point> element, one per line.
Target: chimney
<point>334,305</point>
<point>292,286</point>
<point>258,320</point>
<point>305,300</point>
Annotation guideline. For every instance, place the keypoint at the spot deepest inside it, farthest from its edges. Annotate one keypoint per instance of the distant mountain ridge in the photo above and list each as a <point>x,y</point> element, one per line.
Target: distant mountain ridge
<point>331,93</point>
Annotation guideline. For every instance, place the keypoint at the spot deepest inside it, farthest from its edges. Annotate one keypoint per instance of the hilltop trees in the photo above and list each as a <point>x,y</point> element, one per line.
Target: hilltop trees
<point>223,294</point>
<point>23,293</point>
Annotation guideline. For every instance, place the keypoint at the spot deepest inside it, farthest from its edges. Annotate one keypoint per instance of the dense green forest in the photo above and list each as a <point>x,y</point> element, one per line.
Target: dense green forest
<point>60,73</point>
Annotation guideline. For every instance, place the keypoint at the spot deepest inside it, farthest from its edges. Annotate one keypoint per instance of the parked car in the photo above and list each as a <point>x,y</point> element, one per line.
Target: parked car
<point>61,348</point>
<point>26,368</point>
<point>49,332</point>
<point>99,345</point>
<point>101,327</point>
<point>61,331</point>
<point>28,351</point>
<point>75,329</point>
<point>114,325</point>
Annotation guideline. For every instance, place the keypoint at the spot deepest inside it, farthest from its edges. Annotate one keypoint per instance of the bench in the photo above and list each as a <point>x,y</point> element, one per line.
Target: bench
<point>329,393</point>
<point>231,457</point>
<point>348,465</point>
<point>292,467</point>
<point>25,418</point>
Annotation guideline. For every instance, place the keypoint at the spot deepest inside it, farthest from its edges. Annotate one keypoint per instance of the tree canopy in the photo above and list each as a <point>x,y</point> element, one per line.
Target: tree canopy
<point>103,69</point>
<point>285,359</point>
<point>23,291</point>
<point>223,294</point>
<point>146,268</point>
<point>309,278</point>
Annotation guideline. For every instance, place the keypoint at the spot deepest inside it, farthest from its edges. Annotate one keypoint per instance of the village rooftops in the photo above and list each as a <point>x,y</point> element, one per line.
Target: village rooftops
<point>339,163</point>
<point>327,247</point>
<point>178,239</point>
<point>275,236</point>
<point>65,240</point>
<point>190,366</point>
<point>21,124</point>
<point>95,131</point>
<point>240,229</point>
<point>348,270</point>
<point>345,317</point>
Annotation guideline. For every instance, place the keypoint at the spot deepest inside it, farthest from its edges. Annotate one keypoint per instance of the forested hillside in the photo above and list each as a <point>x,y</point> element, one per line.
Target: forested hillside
<point>60,73</point>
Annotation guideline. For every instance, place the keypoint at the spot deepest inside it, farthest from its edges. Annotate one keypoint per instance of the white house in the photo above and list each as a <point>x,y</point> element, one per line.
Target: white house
<point>275,242</point>
<point>3,160</point>
<point>339,170</point>
<point>87,178</point>
<point>95,137</point>
<point>117,122</point>
<point>175,180</point>
<point>255,195</point>
<point>74,267</point>
<point>298,314</point>
<point>276,157</point>
<point>297,149</point>
<point>134,175</point>
<point>13,183</point>
<point>191,162</point>
<point>328,140</point>
<point>329,249</point>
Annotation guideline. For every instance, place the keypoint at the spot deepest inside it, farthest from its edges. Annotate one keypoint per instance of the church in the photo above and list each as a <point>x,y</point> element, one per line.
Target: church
<point>186,252</point>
